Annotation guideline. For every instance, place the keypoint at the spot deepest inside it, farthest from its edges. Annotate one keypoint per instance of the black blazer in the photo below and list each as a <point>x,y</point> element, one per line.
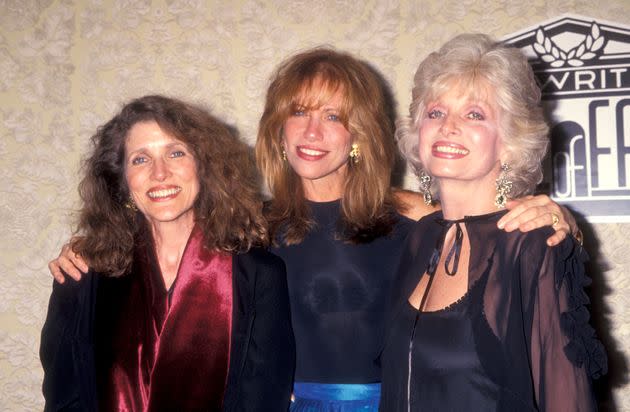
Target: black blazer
<point>262,355</point>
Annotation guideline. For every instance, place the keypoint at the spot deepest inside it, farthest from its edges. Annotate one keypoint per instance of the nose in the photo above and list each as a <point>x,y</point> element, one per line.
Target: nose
<point>160,170</point>
<point>449,125</point>
<point>313,129</point>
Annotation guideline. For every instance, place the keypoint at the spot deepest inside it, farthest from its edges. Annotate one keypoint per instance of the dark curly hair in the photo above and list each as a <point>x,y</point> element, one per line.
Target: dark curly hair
<point>228,208</point>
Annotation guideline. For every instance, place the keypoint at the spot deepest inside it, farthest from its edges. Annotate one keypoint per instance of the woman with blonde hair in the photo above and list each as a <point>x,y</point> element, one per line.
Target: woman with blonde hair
<point>483,319</point>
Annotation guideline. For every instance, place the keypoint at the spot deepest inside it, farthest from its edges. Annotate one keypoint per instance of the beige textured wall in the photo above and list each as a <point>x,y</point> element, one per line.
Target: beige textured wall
<point>66,65</point>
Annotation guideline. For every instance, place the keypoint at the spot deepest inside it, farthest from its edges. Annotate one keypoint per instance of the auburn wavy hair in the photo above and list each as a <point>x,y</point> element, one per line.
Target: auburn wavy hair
<point>309,79</point>
<point>228,207</point>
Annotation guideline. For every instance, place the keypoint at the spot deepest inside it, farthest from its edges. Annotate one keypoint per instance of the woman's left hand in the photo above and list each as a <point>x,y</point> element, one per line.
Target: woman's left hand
<point>531,212</point>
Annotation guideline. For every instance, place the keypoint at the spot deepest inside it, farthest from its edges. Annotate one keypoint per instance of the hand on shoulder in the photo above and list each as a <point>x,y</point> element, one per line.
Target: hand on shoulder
<point>68,263</point>
<point>532,212</point>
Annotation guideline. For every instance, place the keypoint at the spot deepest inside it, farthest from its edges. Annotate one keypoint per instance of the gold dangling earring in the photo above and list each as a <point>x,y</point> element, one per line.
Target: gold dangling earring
<point>355,154</point>
<point>131,205</point>
<point>503,186</point>
<point>425,187</point>
<point>284,154</point>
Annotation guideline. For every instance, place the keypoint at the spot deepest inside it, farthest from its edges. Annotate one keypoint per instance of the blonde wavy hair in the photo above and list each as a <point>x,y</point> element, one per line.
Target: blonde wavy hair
<point>367,205</point>
<point>228,208</point>
<point>472,62</point>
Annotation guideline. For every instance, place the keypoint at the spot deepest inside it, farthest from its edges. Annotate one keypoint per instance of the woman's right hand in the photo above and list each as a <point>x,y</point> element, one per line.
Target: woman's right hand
<point>68,263</point>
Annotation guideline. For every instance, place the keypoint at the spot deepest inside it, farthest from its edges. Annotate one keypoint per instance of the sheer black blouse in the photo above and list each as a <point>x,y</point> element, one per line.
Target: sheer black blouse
<point>338,292</point>
<point>518,340</point>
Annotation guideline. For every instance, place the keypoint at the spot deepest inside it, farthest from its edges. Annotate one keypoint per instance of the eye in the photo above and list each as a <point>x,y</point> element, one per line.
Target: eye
<point>138,160</point>
<point>474,115</point>
<point>435,114</point>
<point>333,117</point>
<point>178,153</point>
<point>298,111</point>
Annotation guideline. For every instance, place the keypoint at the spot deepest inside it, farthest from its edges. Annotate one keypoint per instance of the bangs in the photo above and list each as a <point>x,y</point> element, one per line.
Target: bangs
<point>470,86</point>
<point>318,90</point>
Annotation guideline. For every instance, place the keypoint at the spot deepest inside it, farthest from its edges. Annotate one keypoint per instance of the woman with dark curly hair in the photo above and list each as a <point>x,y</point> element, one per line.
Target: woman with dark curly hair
<point>482,319</point>
<point>181,309</point>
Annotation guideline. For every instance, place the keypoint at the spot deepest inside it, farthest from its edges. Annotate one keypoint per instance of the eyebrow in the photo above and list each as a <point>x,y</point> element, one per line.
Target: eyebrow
<point>167,146</point>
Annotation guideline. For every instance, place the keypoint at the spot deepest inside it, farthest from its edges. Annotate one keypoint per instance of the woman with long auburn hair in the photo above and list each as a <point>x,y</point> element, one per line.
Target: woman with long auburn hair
<point>326,150</point>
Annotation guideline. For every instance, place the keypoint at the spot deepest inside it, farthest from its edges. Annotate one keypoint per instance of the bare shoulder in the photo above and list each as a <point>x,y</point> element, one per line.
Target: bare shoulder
<point>411,204</point>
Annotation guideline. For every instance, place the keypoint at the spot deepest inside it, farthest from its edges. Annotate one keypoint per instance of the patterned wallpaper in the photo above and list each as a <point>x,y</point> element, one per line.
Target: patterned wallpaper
<point>65,67</point>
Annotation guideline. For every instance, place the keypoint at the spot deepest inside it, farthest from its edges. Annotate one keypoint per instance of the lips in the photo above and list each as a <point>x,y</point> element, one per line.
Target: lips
<point>309,153</point>
<point>449,150</point>
<point>163,193</point>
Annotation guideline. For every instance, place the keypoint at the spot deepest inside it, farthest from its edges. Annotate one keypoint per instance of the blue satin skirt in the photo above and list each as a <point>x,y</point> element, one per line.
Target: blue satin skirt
<point>331,397</point>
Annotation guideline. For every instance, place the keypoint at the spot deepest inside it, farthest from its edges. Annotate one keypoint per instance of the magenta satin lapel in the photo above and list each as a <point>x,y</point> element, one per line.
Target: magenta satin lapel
<point>177,357</point>
<point>192,359</point>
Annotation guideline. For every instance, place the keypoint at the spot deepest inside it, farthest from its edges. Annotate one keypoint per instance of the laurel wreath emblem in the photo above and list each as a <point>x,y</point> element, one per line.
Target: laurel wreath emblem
<point>586,50</point>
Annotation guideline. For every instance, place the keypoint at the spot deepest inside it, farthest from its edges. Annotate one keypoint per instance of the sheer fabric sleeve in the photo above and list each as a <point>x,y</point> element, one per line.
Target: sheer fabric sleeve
<point>565,353</point>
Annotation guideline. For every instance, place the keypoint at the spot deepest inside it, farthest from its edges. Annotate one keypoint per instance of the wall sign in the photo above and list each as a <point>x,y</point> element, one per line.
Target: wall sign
<point>583,67</point>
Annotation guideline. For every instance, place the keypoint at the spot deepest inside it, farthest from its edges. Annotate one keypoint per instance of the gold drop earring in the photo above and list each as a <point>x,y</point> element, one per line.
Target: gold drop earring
<point>355,154</point>
<point>131,205</point>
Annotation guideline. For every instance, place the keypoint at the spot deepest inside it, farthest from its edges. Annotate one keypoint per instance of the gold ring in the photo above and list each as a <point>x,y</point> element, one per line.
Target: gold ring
<point>554,220</point>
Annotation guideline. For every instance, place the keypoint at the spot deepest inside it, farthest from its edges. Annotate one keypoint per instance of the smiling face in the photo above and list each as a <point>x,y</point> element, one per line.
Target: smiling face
<point>161,174</point>
<point>460,137</point>
<point>317,145</point>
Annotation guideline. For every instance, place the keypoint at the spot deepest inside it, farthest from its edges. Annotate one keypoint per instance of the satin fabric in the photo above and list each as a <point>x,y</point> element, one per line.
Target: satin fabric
<point>331,397</point>
<point>150,341</point>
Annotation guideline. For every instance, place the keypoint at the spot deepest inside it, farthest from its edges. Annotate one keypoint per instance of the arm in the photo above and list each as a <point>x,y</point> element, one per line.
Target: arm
<point>526,214</point>
<point>411,204</point>
<point>564,350</point>
<point>66,347</point>
<point>267,378</point>
<point>531,212</point>
<point>68,263</point>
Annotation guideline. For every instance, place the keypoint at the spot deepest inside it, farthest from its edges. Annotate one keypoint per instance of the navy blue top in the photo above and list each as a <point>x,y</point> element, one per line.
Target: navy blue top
<point>338,293</point>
